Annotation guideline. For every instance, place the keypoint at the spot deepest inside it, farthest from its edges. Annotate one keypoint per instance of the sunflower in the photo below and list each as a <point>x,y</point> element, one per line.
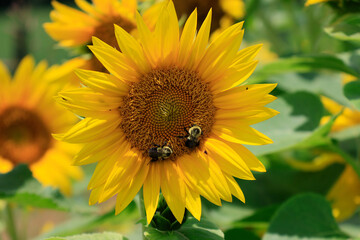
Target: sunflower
<point>311,2</point>
<point>161,87</point>
<point>344,195</point>
<point>349,117</point>
<point>28,116</point>
<point>224,11</point>
<point>74,28</point>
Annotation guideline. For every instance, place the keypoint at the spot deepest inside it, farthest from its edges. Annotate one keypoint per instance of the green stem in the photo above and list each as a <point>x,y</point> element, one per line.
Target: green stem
<point>350,160</point>
<point>142,212</point>
<point>11,228</point>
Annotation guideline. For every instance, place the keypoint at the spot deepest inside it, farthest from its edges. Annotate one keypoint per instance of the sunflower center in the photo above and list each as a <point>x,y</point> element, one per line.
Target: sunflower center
<point>162,105</point>
<point>105,32</point>
<point>24,138</point>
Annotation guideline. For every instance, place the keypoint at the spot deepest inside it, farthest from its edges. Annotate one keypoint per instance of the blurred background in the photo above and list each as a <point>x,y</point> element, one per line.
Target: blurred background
<point>312,52</point>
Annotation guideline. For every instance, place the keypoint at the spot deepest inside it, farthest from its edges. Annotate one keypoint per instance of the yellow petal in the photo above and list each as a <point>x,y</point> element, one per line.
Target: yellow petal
<point>193,202</point>
<point>240,133</point>
<point>103,82</point>
<point>200,43</point>
<point>242,96</point>
<point>197,176</point>
<point>90,129</point>
<point>187,39</point>
<point>130,47</point>
<point>247,54</point>
<point>115,62</point>
<point>98,151</point>
<point>124,170</point>
<point>129,192</point>
<point>234,187</point>
<point>239,75</point>
<point>173,189</point>
<point>228,159</point>
<point>151,190</point>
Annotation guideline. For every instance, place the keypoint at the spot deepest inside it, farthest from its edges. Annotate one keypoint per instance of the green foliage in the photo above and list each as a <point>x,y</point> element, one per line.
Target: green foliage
<point>93,236</point>
<point>192,229</point>
<point>304,64</point>
<point>352,92</point>
<point>346,28</point>
<point>19,186</point>
<point>240,233</point>
<point>306,215</point>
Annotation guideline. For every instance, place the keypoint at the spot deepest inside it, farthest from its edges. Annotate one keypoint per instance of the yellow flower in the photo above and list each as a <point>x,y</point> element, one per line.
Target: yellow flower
<point>311,2</point>
<point>224,11</point>
<point>72,27</point>
<point>345,194</point>
<point>348,118</point>
<point>161,86</point>
<point>28,116</point>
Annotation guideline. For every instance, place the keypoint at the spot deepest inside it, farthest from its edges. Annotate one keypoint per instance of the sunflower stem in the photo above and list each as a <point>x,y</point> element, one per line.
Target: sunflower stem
<point>142,212</point>
<point>350,160</point>
<point>10,221</point>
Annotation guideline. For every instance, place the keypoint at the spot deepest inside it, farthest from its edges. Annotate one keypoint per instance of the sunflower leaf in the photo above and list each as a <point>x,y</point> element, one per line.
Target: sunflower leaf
<point>304,216</point>
<point>305,64</point>
<point>352,92</point>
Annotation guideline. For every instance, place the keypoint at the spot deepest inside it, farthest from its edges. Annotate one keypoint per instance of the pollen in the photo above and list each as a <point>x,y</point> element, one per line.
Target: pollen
<point>24,138</point>
<point>162,106</point>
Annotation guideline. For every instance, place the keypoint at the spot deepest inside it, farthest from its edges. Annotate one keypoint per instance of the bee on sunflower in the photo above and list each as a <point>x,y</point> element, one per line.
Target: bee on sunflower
<point>28,116</point>
<point>164,90</point>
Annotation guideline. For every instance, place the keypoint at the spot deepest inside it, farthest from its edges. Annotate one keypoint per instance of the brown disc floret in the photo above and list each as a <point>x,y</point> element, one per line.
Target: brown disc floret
<point>24,137</point>
<point>161,104</point>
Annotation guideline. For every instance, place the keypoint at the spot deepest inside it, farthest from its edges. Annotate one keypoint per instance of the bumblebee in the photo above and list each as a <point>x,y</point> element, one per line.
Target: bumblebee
<point>192,137</point>
<point>160,152</point>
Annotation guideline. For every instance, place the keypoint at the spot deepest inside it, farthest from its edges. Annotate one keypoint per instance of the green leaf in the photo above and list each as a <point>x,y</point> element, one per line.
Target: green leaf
<point>306,215</point>
<point>192,229</point>
<point>352,92</point>
<point>19,186</point>
<point>347,28</point>
<point>304,64</point>
<point>300,115</point>
<point>240,233</point>
<point>327,84</point>
<point>92,236</point>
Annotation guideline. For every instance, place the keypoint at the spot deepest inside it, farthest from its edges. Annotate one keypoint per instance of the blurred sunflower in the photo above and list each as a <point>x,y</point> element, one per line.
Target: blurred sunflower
<point>311,2</point>
<point>28,116</point>
<point>349,117</point>
<point>74,28</point>
<point>160,85</point>
<point>224,11</point>
<point>345,193</point>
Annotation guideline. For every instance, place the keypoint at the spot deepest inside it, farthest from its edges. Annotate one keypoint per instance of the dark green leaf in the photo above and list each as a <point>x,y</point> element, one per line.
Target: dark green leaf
<point>307,215</point>
<point>352,92</point>
<point>92,236</point>
<point>240,233</point>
